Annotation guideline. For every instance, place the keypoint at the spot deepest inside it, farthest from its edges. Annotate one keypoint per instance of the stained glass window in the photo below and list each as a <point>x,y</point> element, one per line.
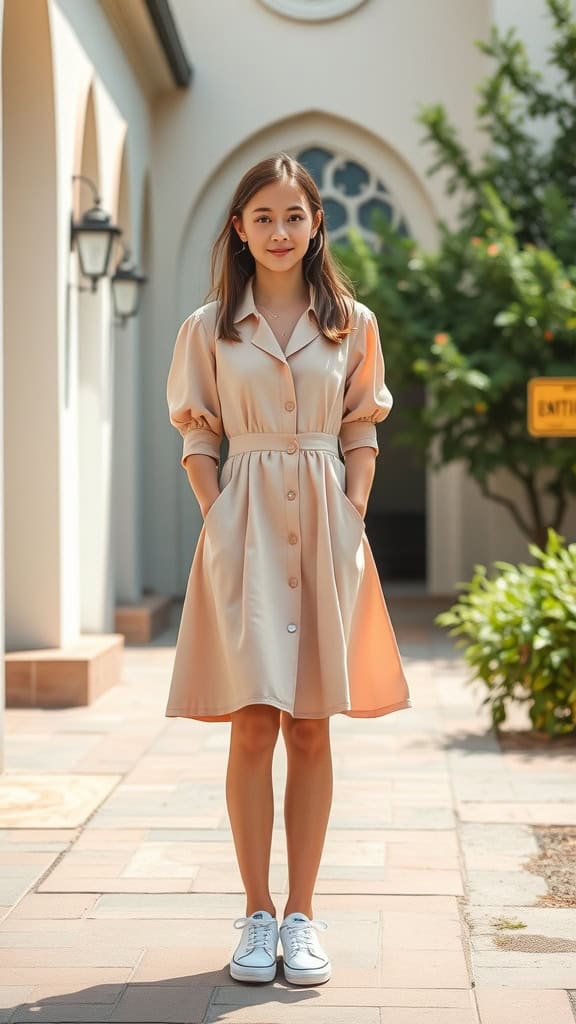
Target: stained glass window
<point>351,195</point>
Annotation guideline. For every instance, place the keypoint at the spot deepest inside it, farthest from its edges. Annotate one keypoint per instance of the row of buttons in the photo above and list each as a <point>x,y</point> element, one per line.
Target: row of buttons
<point>291,447</point>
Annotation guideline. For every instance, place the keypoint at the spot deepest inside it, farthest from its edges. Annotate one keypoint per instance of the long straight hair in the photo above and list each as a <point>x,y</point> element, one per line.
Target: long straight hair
<point>231,264</point>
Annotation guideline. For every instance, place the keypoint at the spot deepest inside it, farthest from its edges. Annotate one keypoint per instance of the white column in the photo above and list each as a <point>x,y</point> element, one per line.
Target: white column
<point>126,463</point>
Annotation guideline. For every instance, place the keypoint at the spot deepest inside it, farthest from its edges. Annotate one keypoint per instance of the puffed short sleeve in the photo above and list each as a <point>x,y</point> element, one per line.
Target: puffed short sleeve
<point>191,391</point>
<point>367,399</point>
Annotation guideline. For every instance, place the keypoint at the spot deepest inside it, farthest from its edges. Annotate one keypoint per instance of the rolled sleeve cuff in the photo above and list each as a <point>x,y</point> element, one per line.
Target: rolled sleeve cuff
<point>358,434</point>
<point>200,441</point>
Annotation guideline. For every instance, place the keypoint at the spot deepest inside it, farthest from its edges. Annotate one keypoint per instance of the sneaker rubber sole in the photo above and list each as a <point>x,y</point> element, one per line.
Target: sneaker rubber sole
<point>307,977</point>
<point>241,972</point>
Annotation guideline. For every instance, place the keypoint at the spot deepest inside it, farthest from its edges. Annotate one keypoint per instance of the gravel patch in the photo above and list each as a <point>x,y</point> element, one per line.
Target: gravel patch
<point>556,863</point>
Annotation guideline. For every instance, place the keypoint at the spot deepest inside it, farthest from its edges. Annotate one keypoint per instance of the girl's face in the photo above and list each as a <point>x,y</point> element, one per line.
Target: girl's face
<point>277,225</point>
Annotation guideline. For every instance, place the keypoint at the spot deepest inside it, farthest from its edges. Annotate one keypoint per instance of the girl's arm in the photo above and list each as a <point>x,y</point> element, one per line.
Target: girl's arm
<point>367,401</point>
<point>202,472</point>
<point>194,407</point>
<point>360,469</point>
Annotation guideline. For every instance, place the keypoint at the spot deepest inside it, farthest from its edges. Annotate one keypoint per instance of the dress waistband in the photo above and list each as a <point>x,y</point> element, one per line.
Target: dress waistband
<point>281,441</point>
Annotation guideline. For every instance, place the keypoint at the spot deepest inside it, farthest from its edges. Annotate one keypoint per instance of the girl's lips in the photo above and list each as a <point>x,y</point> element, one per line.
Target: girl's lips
<point>279,252</point>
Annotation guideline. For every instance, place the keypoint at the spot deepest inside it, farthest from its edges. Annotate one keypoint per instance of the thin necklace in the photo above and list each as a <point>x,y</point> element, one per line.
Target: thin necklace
<point>276,316</point>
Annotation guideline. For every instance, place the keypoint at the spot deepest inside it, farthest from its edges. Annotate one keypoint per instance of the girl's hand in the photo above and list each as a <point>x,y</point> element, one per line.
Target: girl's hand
<point>360,506</point>
<point>205,508</point>
<point>202,473</point>
<point>360,467</point>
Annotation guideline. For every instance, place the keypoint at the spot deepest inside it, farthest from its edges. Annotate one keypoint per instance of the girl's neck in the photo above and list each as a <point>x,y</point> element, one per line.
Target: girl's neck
<point>279,291</point>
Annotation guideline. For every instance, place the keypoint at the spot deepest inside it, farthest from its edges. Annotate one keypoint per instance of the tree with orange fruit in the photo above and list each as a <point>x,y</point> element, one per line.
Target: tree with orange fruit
<point>495,303</point>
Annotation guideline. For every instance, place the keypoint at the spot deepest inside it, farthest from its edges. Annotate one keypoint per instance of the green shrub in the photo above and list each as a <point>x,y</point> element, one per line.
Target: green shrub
<point>522,628</point>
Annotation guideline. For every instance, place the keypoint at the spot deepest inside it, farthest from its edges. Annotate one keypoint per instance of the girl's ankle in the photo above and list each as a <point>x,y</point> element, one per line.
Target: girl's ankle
<point>299,911</point>
<point>262,906</point>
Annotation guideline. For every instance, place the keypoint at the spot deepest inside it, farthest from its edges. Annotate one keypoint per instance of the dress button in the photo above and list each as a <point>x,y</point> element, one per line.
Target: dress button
<point>292,538</point>
<point>291,447</point>
<point>289,406</point>
<point>291,627</point>
<point>293,581</point>
<point>291,495</point>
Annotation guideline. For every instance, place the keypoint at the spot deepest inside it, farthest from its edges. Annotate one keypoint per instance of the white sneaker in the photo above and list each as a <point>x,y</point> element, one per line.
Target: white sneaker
<point>305,962</point>
<point>254,958</point>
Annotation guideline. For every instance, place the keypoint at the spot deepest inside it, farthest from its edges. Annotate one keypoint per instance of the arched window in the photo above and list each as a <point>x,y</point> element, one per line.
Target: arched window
<point>350,194</point>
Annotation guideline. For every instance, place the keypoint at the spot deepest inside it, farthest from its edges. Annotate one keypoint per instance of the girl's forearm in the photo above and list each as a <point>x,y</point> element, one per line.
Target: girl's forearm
<point>360,469</point>
<point>202,472</point>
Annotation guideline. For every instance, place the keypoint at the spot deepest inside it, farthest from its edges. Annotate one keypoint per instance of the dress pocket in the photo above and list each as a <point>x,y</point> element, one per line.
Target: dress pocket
<point>213,510</point>
<point>352,506</point>
<point>341,479</point>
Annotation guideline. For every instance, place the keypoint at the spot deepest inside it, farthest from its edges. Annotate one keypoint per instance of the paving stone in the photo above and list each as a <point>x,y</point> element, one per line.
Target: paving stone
<point>67,976</point>
<point>48,1012</point>
<point>10,997</point>
<point>548,973</point>
<point>520,1006</point>
<point>332,994</point>
<point>301,1013</point>
<point>429,968</point>
<point>40,957</point>
<point>504,888</point>
<point>559,922</point>
<point>531,813</point>
<point>427,1015</point>
<point>165,1004</point>
<point>405,930</point>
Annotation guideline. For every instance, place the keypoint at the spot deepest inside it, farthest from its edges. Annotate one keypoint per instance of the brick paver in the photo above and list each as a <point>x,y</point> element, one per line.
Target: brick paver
<point>119,885</point>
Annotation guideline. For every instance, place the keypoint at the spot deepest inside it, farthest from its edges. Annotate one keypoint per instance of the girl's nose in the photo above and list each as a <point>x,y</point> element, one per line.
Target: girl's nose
<point>280,232</point>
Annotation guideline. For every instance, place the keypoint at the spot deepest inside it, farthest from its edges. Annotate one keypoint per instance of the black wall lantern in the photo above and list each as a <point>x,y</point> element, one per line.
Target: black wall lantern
<point>126,287</point>
<point>94,235</point>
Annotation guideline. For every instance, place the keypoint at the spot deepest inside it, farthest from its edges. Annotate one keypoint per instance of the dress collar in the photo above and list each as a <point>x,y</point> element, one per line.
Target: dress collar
<point>305,331</point>
<point>247,304</point>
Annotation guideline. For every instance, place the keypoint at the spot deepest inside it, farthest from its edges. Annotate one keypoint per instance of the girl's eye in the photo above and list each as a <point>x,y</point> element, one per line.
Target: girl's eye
<point>264,216</point>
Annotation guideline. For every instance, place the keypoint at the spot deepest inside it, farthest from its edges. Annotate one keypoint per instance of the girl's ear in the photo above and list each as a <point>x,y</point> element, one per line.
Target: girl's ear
<point>237,223</point>
<point>317,220</point>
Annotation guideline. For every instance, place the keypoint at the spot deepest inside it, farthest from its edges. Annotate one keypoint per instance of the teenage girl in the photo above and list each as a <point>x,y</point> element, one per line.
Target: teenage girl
<point>284,621</point>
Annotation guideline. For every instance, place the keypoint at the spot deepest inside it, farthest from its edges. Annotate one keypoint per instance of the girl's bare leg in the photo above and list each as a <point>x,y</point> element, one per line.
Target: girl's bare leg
<point>250,798</point>
<point>307,803</point>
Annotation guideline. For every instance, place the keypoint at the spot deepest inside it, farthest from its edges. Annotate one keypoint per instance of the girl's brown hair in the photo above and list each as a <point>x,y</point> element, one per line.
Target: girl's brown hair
<point>232,265</point>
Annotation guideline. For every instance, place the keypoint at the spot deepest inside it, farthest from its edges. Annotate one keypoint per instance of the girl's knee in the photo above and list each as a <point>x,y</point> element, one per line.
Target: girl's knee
<point>308,735</point>
<point>256,727</point>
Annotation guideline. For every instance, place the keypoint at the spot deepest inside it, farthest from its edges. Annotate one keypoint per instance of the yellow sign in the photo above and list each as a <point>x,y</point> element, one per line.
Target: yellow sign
<point>552,406</point>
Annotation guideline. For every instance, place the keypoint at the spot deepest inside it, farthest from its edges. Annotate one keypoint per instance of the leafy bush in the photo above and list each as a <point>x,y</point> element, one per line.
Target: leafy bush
<point>522,624</point>
<point>494,304</point>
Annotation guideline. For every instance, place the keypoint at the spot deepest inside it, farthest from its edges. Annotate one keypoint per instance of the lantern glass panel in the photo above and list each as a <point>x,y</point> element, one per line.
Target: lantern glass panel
<point>125,297</point>
<point>94,252</point>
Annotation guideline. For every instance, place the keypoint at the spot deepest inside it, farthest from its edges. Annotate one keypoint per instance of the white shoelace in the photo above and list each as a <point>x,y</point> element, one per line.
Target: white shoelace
<point>300,935</point>
<point>259,934</point>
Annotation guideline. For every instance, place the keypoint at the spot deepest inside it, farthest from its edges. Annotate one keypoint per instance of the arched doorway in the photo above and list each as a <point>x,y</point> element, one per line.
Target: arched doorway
<point>340,137</point>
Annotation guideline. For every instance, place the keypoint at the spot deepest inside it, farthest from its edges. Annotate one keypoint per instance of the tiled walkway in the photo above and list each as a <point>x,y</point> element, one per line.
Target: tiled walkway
<point>119,884</point>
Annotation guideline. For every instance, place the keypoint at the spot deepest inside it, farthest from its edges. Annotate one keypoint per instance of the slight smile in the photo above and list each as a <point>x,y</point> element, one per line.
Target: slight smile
<point>279,252</point>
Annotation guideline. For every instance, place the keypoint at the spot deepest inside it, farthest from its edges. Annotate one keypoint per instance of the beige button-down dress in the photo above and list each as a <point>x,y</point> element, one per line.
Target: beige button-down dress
<point>283,604</point>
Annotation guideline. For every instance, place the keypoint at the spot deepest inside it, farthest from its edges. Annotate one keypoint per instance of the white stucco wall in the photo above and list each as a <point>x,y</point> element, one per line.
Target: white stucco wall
<point>61,577</point>
<point>2,626</point>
